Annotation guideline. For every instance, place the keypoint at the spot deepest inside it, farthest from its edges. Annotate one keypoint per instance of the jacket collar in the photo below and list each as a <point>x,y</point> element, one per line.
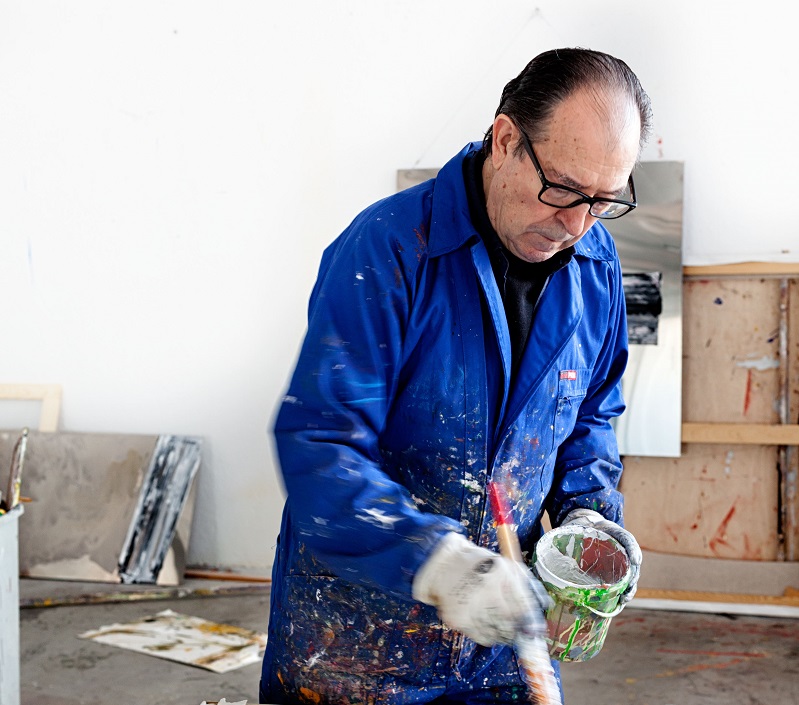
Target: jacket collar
<point>451,225</point>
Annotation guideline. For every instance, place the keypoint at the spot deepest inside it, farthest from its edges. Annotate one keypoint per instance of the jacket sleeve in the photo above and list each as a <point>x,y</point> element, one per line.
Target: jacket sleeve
<point>588,466</point>
<point>358,522</point>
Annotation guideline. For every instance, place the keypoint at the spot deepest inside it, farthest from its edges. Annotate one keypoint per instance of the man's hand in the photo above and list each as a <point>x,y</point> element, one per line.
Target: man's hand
<point>590,518</point>
<point>488,598</point>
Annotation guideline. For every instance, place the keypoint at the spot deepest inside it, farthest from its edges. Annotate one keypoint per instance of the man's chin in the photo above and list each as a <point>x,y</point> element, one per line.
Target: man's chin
<point>539,253</point>
<point>535,247</point>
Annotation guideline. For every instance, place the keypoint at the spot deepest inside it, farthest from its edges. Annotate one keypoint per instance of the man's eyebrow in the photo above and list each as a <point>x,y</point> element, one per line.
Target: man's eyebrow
<point>566,180</point>
<point>619,192</point>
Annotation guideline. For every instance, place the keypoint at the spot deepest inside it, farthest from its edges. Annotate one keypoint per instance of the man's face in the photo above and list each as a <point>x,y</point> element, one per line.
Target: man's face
<point>585,148</point>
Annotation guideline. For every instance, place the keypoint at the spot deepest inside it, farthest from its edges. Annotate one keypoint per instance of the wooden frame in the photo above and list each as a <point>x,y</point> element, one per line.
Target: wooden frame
<point>48,394</point>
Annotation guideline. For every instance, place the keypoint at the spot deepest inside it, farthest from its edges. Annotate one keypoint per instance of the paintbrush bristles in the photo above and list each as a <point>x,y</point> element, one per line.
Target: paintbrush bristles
<point>537,670</point>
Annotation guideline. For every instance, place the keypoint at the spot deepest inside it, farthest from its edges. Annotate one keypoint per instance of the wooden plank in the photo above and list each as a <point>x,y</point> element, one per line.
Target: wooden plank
<point>224,575</point>
<point>741,433</point>
<point>692,596</point>
<point>745,269</point>
<point>48,394</point>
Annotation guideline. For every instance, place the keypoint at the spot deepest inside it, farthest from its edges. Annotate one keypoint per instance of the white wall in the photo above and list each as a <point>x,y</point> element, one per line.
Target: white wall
<point>170,172</point>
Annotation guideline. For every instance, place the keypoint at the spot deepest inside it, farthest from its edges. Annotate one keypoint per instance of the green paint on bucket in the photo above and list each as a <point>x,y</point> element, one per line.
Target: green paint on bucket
<point>584,571</point>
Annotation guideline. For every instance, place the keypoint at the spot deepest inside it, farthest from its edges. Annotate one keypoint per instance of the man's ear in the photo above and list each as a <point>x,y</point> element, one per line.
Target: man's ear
<point>503,139</point>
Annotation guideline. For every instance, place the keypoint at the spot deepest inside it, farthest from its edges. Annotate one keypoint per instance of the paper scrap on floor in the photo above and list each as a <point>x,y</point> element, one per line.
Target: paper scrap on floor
<point>191,640</point>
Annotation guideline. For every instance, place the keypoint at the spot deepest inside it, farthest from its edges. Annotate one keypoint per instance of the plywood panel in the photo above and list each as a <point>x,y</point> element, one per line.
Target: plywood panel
<point>714,501</point>
<point>790,470</point>
<point>731,349</point>
<point>723,499</point>
<point>793,349</point>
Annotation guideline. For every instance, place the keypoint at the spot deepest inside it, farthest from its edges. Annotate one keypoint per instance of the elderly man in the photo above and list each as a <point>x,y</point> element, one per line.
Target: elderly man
<point>468,329</point>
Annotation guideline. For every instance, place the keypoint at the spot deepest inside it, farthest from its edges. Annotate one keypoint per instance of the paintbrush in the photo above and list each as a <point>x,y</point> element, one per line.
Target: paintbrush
<point>15,476</point>
<point>531,649</point>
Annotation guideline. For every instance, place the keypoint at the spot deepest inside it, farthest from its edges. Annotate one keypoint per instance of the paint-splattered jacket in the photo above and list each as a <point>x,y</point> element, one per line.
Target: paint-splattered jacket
<point>385,442</point>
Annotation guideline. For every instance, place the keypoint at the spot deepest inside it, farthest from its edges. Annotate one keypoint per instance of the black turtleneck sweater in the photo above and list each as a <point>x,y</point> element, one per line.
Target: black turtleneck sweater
<point>520,282</point>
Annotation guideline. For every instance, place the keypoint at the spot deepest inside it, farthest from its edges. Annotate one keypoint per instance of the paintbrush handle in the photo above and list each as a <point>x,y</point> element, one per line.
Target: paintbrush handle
<point>15,475</point>
<point>506,533</point>
<point>509,542</point>
<point>531,651</point>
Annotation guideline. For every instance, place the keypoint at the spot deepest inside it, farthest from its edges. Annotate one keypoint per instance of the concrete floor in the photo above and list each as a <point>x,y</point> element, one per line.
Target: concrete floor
<point>649,658</point>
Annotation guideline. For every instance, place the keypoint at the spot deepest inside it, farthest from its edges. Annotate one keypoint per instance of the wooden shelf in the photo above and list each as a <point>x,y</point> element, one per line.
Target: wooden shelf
<point>743,269</point>
<point>741,433</point>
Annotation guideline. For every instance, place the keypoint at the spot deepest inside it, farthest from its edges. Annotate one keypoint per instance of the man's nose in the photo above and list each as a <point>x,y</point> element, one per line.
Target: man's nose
<point>576,220</point>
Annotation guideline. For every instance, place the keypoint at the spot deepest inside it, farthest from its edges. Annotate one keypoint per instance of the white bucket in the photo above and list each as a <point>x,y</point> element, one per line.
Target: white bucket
<point>9,607</point>
<point>584,571</point>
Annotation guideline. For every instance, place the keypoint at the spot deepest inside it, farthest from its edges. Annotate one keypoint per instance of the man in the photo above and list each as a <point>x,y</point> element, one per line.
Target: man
<point>468,329</point>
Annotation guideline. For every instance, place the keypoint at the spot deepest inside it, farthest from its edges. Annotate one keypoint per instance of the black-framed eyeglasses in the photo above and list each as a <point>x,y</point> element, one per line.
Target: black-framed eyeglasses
<point>559,196</point>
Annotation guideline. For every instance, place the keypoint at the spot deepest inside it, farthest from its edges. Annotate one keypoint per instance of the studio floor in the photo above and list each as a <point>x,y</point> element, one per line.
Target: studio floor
<point>650,657</point>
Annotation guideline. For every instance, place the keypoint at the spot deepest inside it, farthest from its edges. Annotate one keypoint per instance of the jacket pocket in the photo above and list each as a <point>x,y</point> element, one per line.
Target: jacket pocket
<point>572,388</point>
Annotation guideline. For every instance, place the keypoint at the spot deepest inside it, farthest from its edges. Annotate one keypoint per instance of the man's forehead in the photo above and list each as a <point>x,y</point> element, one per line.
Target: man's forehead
<point>607,112</point>
<point>594,130</point>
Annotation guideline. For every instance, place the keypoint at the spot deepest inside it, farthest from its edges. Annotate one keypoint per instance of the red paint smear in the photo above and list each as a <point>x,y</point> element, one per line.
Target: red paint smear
<point>499,504</point>
<point>732,658</point>
<point>672,534</point>
<point>720,537</point>
<point>629,620</point>
<point>741,654</point>
<point>421,239</point>
<point>703,667</point>
<point>748,392</point>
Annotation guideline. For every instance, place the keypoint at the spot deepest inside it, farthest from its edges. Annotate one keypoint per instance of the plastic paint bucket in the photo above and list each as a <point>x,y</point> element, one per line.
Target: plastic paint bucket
<point>9,607</point>
<point>584,572</point>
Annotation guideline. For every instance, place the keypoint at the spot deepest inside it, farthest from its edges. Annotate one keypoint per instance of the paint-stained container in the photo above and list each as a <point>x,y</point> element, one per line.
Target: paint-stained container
<point>584,571</point>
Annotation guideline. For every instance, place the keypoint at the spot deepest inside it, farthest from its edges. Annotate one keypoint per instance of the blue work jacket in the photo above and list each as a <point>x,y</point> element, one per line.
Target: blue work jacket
<point>386,442</point>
